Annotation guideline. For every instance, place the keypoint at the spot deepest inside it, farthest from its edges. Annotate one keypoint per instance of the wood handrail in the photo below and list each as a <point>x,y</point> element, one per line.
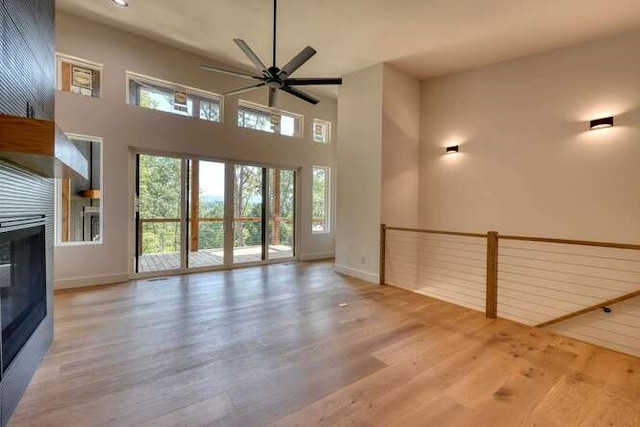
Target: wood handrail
<point>589,309</point>
<point>572,242</point>
<point>448,233</point>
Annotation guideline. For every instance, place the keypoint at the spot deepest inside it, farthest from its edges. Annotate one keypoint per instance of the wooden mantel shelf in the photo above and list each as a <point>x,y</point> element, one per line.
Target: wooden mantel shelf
<point>40,146</point>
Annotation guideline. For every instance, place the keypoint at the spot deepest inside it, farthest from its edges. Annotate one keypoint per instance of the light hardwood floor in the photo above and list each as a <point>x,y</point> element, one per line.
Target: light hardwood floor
<point>272,346</point>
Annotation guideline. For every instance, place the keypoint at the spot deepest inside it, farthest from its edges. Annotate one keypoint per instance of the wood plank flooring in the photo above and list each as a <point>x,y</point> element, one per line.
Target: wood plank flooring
<point>272,346</point>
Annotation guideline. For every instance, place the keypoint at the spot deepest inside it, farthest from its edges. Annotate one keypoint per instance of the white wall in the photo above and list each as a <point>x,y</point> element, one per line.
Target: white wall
<point>378,130</point>
<point>359,173</point>
<point>123,126</point>
<point>528,164</point>
<point>400,148</point>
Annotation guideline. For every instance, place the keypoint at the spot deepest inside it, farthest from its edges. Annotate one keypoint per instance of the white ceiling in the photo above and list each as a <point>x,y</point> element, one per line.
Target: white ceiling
<point>423,37</point>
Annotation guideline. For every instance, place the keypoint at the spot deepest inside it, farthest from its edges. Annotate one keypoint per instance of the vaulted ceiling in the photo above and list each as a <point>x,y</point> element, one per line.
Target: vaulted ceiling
<point>423,37</point>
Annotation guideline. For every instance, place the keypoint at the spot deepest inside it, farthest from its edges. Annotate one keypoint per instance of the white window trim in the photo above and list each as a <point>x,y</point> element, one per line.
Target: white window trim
<point>58,202</point>
<point>74,60</point>
<point>173,86</point>
<point>299,131</point>
<point>327,201</point>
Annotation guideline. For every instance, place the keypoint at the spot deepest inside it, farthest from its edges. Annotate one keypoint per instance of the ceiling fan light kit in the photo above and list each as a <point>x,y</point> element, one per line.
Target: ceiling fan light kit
<point>276,78</point>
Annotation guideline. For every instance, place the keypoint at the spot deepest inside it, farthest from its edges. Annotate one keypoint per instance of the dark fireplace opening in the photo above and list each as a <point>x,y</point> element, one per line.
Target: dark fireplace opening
<point>23,295</point>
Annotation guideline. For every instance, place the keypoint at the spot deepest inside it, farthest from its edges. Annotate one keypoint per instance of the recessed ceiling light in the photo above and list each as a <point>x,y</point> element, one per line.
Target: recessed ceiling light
<point>121,3</point>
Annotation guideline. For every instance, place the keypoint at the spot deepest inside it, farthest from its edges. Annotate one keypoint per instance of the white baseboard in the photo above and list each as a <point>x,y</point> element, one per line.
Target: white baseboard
<point>80,282</point>
<point>316,256</point>
<point>363,275</point>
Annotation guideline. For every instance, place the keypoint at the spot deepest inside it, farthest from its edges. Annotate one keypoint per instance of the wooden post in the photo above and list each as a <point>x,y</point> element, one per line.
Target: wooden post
<point>65,235</point>
<point>492,275</point>
<point>140,223</point>
<point>66,76</point>
<point>276,206</point>
<point>195,204</point>
<point>383,249</point>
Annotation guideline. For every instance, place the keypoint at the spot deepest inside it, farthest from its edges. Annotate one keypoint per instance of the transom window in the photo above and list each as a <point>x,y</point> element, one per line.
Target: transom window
<point>258,117</point>
<point>79,76</point>
<point>147,92</point>
<point>321,131</point>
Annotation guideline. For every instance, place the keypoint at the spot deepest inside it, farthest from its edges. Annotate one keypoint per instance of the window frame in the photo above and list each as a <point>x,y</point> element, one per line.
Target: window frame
<point>81,62</point>
<point>327,125</point>
<point>261,109</point>
<point>171,86</point>
<point>327,199</point>
<point>58,197</point>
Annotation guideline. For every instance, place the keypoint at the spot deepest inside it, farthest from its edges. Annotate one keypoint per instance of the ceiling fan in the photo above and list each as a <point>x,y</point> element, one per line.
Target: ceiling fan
<point>277,78</point>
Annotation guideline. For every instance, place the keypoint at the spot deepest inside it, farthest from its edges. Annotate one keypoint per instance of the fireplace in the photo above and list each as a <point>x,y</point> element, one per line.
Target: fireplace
<point>26,279</point>
<point>23,291</point>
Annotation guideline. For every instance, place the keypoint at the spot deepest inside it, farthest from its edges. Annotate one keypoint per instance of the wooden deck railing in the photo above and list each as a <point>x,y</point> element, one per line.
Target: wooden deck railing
<point>493,239</point>
<point>194,243</point>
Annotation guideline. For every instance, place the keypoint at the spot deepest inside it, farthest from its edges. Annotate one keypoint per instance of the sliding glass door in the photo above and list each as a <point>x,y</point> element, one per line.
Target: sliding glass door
<point>282,190</point>
<point>159,237</point>
<point>203,214</point>
<point>248,214</point>
<point>206,214</point>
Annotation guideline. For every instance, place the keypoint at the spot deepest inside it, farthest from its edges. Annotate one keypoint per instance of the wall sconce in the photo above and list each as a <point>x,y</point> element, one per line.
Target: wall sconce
<point>452,149</point>
<point>121,3</point>
<point>605,122</point>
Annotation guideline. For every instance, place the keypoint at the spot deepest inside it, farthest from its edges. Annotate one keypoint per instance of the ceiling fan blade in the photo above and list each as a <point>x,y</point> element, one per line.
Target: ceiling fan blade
<point>251,55</point>
<point>313,81</point>
<point>229,72</point>
<point>297,61</point>
<point>244,89</point>
<point>273,96</point>
<point>300,94</point>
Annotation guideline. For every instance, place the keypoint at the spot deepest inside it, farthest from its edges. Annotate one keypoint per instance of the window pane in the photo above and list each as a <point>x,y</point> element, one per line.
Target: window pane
<point>287,126</point>
<point>253,116</point>
<point>321,131</point>
<point>79,200</point>
<point>209,110</point>
<point>77,76</point>
<point>155,96</point>
<point>320,221</point>
<point>252,119</point>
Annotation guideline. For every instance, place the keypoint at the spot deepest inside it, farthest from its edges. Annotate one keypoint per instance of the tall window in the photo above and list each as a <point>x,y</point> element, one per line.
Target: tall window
<point>79,198</point>
<point>321,197</point>
<point>79,76</point>
<point>321,131</point>
<point>154,94</point>
<point>258,117</point>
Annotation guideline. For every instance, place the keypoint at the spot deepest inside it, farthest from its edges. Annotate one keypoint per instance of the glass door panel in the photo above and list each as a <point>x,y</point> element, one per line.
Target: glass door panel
<point>248,214</point>
<point>206,214</point>
<point>159,224</point>
<point>281,213</point>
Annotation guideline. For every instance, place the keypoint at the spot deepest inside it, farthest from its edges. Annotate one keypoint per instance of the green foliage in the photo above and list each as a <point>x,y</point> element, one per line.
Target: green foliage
<point>320,192</point>
<point>147,101</point>
<point>159,198</point>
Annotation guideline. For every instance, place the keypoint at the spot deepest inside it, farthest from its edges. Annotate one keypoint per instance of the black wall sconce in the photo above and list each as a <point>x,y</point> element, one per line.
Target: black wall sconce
<point>605,122</point>
<point>452,149</point>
